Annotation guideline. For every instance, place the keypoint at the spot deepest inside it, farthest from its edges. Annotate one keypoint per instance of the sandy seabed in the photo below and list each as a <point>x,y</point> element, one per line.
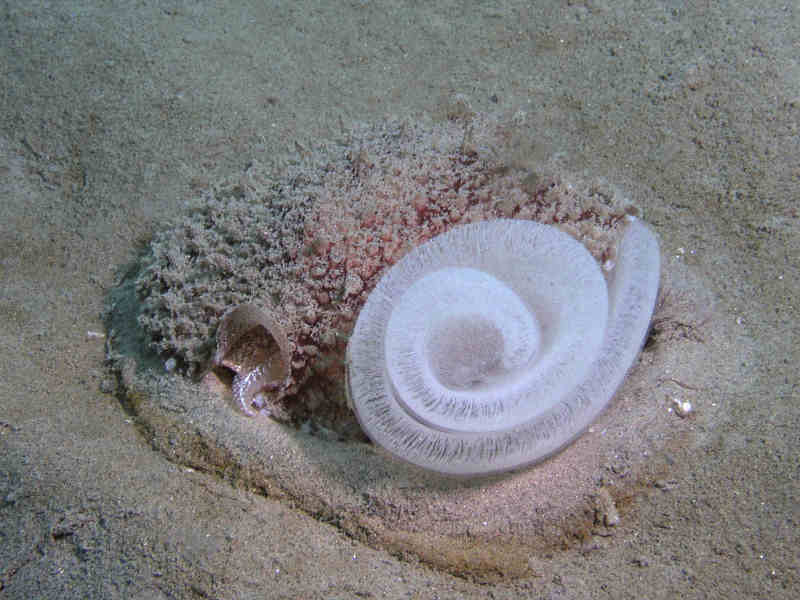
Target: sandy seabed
<point>115,114</point>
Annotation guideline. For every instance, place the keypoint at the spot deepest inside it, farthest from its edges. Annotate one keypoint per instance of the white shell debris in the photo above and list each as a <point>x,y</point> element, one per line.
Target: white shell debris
<point>682,408</point>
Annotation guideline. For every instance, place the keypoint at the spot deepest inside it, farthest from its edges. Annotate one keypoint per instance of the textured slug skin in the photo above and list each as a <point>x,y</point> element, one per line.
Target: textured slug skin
<point>540,391</point>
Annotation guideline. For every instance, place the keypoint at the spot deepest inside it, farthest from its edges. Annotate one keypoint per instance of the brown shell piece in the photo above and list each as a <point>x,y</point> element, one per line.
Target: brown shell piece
<point>250,340</point>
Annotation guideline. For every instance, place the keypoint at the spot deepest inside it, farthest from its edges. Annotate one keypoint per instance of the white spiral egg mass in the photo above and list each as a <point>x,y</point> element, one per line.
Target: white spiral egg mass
<point>495,344</point>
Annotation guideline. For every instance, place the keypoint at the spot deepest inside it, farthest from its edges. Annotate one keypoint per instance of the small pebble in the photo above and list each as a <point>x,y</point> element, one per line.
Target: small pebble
<point>683,408</point>
<point>108,385</point>
<point>606,509</point>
